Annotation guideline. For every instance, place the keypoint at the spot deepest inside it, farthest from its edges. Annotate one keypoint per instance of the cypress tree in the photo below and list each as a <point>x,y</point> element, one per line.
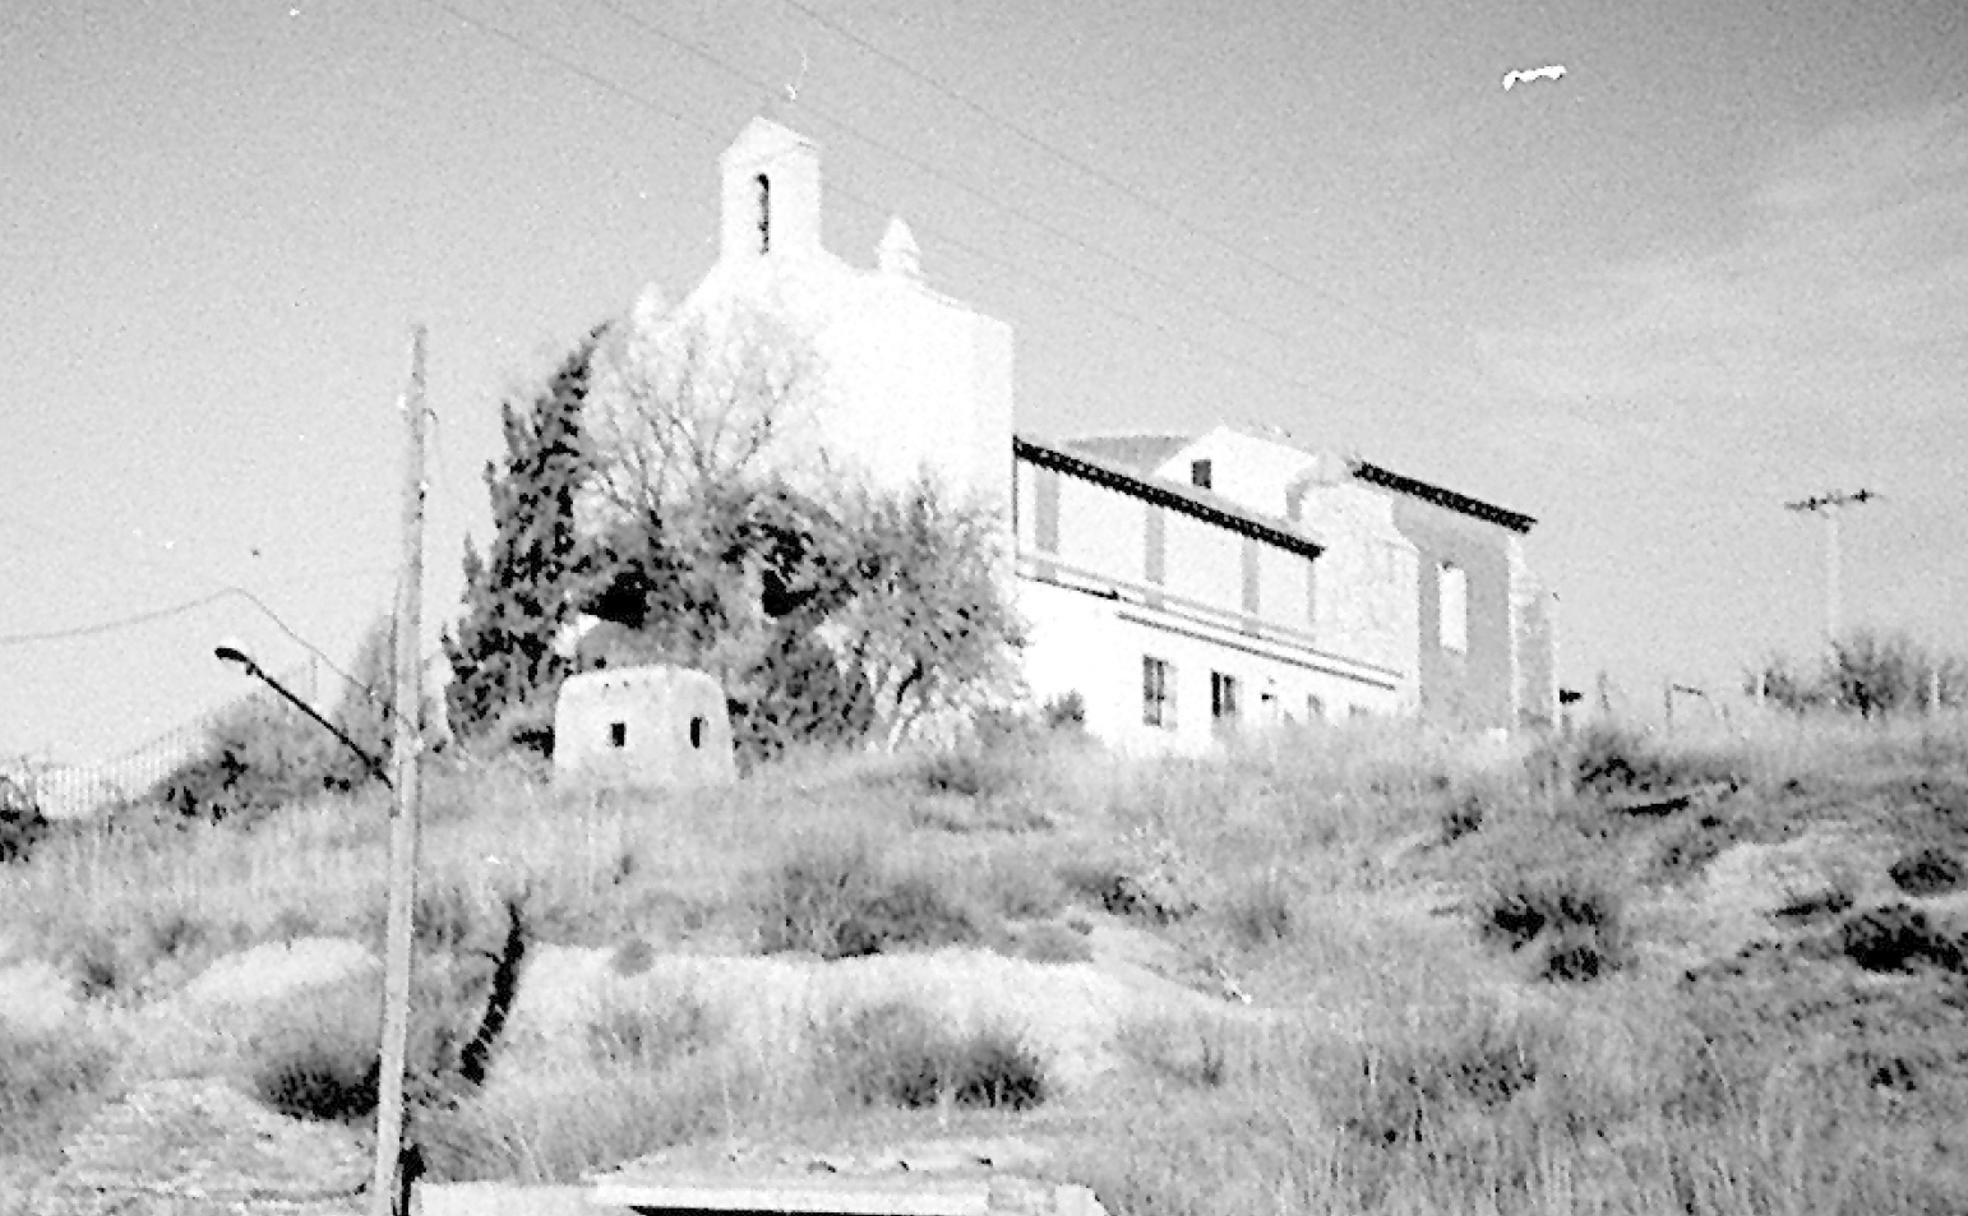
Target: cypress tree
<point>522,591</point>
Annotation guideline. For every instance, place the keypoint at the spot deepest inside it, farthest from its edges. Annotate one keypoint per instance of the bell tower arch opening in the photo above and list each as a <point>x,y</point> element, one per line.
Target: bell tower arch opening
<point>771,195</point>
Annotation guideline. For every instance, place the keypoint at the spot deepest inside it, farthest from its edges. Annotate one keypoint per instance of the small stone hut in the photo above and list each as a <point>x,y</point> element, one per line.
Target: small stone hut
<point>656,726</point>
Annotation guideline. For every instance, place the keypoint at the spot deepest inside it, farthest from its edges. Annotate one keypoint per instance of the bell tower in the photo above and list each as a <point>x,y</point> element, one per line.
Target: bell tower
<point>771,193</point>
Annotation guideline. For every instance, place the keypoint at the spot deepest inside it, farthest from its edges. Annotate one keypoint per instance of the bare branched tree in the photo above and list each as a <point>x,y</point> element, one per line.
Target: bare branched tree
<point>686,405</point>
<point>729,540</point>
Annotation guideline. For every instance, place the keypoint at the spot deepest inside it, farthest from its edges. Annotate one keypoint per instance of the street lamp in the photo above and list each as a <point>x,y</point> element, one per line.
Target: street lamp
<point>228,653</point>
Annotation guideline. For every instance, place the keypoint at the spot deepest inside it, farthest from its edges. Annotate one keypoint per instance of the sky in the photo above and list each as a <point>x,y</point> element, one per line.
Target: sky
<point>1718,265</point>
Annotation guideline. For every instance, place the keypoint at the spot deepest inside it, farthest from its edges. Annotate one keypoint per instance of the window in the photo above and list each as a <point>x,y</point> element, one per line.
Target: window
<point>696,732</point>
<point>765,213</point>
<point>618,734</point>
<point>1223,697</point>
<point>1157,693</point>
<point>1199,473</point>
<point>1453,606</point>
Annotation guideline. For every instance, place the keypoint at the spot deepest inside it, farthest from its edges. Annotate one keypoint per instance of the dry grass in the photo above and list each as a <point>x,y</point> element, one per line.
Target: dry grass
<point>1781,1035</point>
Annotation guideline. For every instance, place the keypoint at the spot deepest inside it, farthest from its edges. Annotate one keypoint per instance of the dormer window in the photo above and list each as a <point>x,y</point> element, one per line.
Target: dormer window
<point>1199,473</point>
<point>765,213</point>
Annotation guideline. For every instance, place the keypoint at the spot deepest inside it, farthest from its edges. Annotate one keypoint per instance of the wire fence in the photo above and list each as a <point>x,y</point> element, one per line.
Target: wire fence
<point>71,791</point>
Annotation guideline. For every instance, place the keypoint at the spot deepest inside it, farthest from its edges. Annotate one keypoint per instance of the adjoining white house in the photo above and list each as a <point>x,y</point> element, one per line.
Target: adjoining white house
<point>1182,585</point>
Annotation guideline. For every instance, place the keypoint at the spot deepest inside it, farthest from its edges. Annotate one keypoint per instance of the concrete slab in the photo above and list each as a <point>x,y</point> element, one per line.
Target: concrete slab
<point>501,1199</point>
<point>838,1195</point>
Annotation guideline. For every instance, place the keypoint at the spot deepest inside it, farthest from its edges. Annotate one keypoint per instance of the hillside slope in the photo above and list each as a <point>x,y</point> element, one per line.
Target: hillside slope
<point>1363,970</point>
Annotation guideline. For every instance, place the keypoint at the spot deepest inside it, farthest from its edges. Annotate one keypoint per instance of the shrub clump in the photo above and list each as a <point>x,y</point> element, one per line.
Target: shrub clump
<point>1931,871</point>
<point>1607,760</point>
<point>1687,850</point>
<point>22,825</point>
<point>319,1080</point>
<point>1260,914</point>
<point>1407,1089</point>
<point>1047,942</point>
<point>895,1054</point>
<point>318,1058</point>
<point>844,902</point>
<point>1462,817</point>
<point>1155,889</point>
<point>1896,938</point>
<point>1576,921</point>
<point>970,772</point>
<point>45,1077</point>
<point>102,966</point>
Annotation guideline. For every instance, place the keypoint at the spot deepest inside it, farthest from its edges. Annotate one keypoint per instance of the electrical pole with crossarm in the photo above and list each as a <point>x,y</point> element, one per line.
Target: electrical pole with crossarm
<point>1829,506</point>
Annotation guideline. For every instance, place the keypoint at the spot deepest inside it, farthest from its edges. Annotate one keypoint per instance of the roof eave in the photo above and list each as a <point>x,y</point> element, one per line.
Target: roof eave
<point>1449,500</point>
<point>1165,494</point>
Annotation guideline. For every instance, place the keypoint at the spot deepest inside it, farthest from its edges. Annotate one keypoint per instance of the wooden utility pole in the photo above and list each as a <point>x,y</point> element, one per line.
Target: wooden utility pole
<point>384,1189</point>
<point>1829,505</point>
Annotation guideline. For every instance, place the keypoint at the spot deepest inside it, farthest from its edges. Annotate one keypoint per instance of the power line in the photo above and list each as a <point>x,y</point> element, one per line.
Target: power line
<point>110,626</point>
<point>1112,182</point>
<point>157,614</point>
<point>1173,286</point>
<point>1295,382</point>
<point>1019,274</point>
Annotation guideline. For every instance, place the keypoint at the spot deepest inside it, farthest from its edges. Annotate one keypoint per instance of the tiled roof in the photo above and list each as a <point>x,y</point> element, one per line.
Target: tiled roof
<point>1374,474</point>
<point>1188,500</point>
<point>1146,452</point>
<point>1142,453</point>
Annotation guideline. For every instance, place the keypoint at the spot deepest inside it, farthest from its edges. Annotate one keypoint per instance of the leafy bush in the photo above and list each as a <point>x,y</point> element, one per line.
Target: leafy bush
<point>1576,920</point>
<point>22,825</point>
<point>908,910</point>
<point>994,1070</point>
<point>969,772</point>
<point>1866,672</point>
<point>1815,904</point>
<point>1930,871</point>
<point>1608,760</point>
<point>841,901</point>
<point>263,753</point>
<point>46,1078</point>
<point>1462,817</point>
<point>317,1057</point>
<point>1065,714</point>
<point>1897,938</point>
<point>102,966</point>
<point>1151,891</point>
<point>319,1079</point>
<point>1688,848</point>
<point>895,1054</point>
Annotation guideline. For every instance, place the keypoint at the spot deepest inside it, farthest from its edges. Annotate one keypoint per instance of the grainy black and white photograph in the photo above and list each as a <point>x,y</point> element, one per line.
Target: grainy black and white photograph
<point>916,608</point>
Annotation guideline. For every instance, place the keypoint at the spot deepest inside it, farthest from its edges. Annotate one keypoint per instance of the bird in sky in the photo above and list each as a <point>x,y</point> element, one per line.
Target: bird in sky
<point>1546,73</point>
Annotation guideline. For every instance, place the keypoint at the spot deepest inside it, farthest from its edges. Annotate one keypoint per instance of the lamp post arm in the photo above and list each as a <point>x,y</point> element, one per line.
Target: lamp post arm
<point>375,766</point>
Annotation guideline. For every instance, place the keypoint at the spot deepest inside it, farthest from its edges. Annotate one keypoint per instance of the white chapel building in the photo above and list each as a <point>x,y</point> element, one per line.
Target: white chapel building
<point>1184,586</point>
